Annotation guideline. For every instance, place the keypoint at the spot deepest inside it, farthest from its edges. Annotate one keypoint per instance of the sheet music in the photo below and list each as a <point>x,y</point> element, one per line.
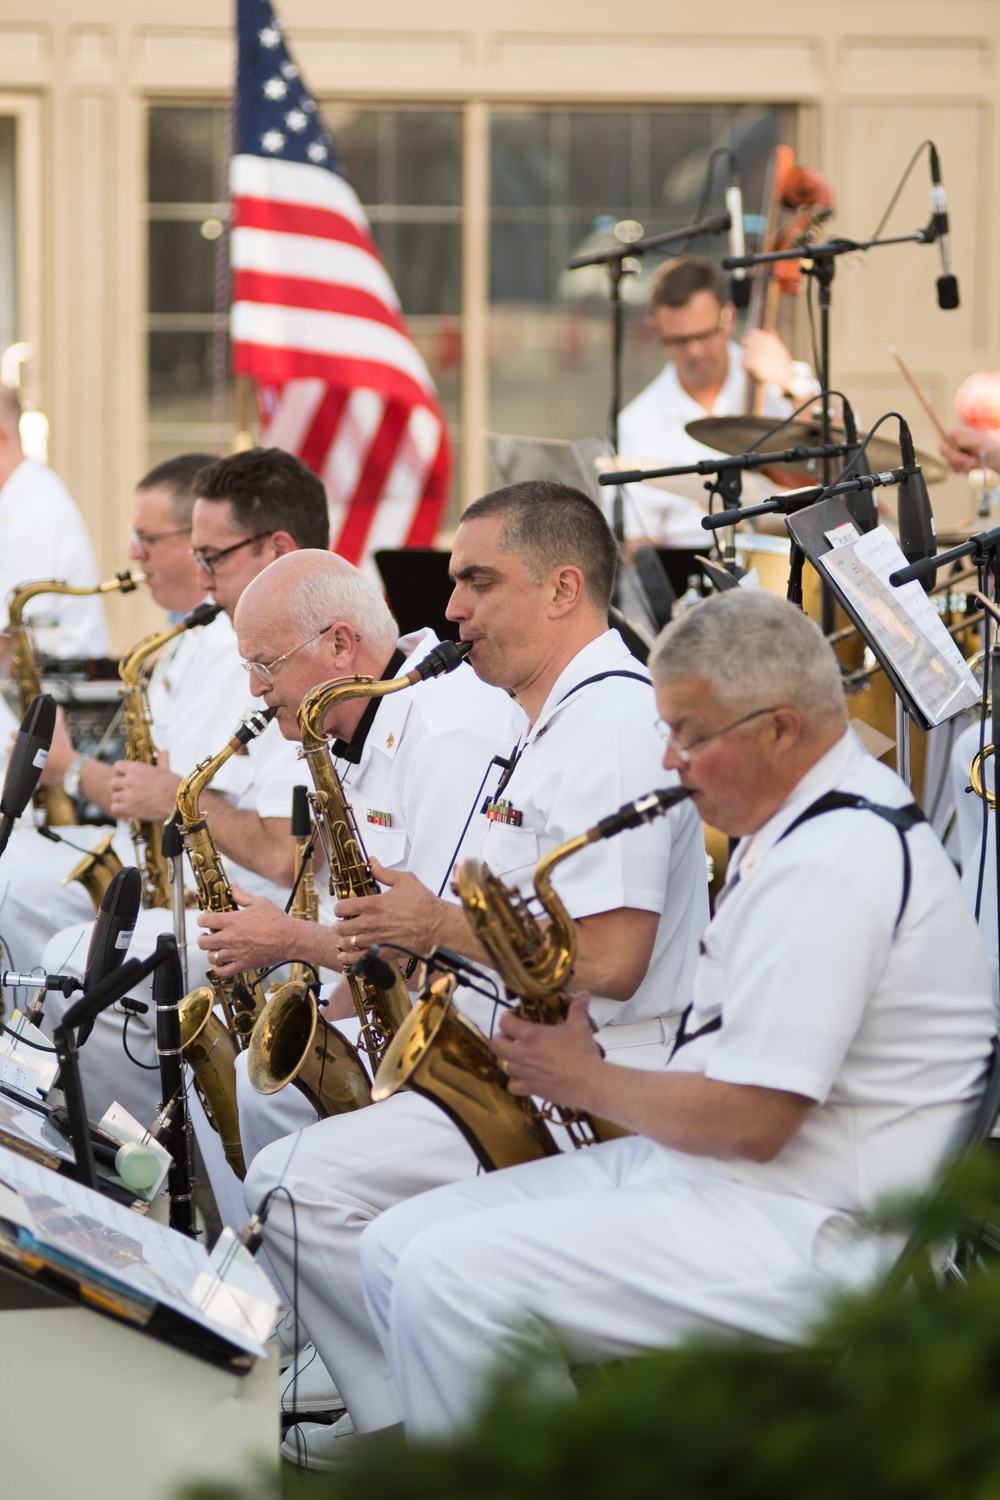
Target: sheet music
<point>79,1230</point>
<point>905,624</point>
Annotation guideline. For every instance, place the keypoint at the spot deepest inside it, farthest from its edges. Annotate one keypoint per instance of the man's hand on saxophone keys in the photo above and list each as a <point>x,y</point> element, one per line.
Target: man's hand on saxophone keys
<point>404,912</point>
<point>255,936</point>
<point>555,1063</point>
<point>141,791</point>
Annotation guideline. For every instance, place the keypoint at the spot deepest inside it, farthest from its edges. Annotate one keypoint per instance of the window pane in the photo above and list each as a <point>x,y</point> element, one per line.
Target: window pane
<point>185,155</point>
<point>181,268</point>
<point>599,167</point>
<point>429,157</point>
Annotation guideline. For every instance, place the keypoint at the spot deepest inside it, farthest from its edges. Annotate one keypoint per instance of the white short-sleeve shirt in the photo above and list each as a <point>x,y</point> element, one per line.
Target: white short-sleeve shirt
<point>651,429</point>
<point>819,994</point>
<point>42,535</point>
<point>592,748</point>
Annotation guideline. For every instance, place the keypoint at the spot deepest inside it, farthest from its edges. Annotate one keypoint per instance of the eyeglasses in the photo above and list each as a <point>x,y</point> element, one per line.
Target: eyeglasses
<point>683,340</point>
<point>209,561</point>
<point>143,540</point>
<point>683,752</point>
<point>265,669</point>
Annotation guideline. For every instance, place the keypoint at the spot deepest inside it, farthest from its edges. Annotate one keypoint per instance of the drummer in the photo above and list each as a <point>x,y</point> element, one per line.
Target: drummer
<point>705,376</point>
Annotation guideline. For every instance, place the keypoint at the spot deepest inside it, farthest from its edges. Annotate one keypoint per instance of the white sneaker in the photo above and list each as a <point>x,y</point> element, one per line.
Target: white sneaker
<point>287,1336</point>
<point>311,1445</point>
<point>306,1388</point>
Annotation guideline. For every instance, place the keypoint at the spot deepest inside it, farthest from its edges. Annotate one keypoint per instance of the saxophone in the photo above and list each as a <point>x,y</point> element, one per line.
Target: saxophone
<point>439,1053</point>
<point>51,800</point>
<point>210,1044</point>
<point>274,1059</point>
<point>147,836</point>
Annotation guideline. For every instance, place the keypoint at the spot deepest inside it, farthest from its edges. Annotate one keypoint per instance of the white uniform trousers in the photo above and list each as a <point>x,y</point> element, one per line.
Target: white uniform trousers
<point>616,1250</point>
<point>341,1174</point>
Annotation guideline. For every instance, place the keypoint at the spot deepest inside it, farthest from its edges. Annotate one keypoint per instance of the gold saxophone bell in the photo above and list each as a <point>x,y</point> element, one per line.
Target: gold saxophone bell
<point>976,776</point>
<point>96,870</point>
<point>292,1044</point>
<point>211,1051</point>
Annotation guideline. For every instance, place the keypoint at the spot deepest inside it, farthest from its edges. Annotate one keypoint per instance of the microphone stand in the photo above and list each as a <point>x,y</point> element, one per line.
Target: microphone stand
<point>614,259</point>
<point>819,262</point>
<point>114,987</point>
<point>172,849</point>
<point>167,991</point>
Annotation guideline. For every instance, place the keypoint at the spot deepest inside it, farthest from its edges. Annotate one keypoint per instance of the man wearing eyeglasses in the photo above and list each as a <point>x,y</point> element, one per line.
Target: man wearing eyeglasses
<point>197,674</point>
<point>830,1062</point>
<point>705,376</point>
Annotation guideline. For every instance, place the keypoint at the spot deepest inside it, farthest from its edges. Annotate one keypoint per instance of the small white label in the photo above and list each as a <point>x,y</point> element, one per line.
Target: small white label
<point>124,938</point>
<point>843,535</point>
<point>40,757</point>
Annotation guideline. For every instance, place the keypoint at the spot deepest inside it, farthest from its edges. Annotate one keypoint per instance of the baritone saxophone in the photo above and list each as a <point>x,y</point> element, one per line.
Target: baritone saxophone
<point>441,1054</point>
<point>287,1044</point>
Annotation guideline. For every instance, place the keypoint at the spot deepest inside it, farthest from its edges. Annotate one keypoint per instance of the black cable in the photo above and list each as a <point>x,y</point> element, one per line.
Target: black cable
<point>787,421</point>
<point>706,193</point>
<point>146,1067</point>
<point>496,761</point>
<point>902,183</point>
<point>23,1040</point>
<point>307,854</point>
<point>988,687</point>
<point>271,968</point>
<point>811,314</point>
<point>845,471</point>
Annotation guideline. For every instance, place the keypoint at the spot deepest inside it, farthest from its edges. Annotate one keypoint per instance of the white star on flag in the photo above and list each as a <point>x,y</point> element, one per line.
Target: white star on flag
<point>317,152</point>
<point>272,140</point>
<point>296,120</point>
<point>275,88</point>
<point>270,36</point>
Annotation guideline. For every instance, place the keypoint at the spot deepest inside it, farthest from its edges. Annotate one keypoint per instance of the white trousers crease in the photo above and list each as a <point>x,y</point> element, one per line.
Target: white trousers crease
<point>616,1250</point>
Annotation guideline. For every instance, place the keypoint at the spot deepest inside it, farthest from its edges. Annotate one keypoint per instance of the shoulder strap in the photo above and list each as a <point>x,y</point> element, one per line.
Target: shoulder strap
<point>600,676</point>
<point>901,818</point>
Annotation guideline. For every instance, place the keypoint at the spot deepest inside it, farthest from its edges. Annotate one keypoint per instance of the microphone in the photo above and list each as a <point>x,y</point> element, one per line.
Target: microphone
<point>28,755</point>
<point>947,284</point>
<point>739,286</point>
<point>861,505</point>
<point>112,934</point>
<point>917,536</point>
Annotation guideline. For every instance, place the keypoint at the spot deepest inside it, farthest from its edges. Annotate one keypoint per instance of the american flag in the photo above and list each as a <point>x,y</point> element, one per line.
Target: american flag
<point>315,319</point>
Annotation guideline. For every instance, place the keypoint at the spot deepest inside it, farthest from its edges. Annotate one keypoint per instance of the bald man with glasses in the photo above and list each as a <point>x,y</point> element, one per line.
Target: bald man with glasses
<point>705,376</point>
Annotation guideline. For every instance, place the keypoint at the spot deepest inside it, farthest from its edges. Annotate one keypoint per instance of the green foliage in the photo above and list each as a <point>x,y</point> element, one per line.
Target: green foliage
<point>898,1397</point>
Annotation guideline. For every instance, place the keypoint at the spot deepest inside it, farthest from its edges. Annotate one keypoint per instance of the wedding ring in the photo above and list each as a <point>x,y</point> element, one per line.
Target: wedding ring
<point>215,956</point>
<point>354,940</point>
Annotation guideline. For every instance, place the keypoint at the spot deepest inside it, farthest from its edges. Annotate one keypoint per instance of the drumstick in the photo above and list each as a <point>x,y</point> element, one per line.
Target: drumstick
<point>928,408</point>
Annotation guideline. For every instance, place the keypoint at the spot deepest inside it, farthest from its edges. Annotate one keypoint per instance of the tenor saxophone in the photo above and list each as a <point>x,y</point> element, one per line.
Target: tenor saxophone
<point>52,800</point>
<point>211,1043</point>
<point>439,1053</point>
<point>147,835</point>
<point>285,1039</point>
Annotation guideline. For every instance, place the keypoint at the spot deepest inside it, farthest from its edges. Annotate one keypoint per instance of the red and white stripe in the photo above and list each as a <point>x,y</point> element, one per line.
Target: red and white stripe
<point>316,321</point>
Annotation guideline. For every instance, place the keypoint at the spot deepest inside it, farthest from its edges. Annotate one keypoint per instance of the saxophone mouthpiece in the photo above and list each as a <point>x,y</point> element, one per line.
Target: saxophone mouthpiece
<point>444,658</point>
<point>202,614</point>
<point>642,810</point>
<point>254,724</point>
<point>128,582</point>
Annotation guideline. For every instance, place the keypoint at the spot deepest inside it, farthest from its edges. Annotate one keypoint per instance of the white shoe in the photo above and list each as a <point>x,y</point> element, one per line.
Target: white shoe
<point>287,1336</point>
<point>306,1388</point>
<point>313,1446</point>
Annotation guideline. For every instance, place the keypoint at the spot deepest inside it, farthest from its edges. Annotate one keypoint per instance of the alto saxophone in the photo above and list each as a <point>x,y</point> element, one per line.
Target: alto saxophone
<point>441,1054</point>
<point>210,1044</point>
<point>51,800</point>
<point>274,1058</point>
<point>147,835</point>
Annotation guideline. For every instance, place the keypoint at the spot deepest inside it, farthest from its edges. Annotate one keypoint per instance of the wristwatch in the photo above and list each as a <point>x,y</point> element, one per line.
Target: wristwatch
<point>71,781</point>
<point>802,385</point>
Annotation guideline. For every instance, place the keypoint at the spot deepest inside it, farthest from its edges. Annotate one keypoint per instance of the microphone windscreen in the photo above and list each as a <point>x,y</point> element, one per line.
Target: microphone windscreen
<point>114,927</point>
<point>28,754</point>
<point>947,293</point>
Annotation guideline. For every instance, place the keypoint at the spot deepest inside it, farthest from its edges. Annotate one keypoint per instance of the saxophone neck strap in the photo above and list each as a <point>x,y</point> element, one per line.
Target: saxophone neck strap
<point>350,750</point>
<point>600,677</point>
<point>901,818</point>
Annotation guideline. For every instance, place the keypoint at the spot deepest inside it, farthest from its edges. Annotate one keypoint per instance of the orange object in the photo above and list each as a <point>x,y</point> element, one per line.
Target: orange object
<point>977,401</point>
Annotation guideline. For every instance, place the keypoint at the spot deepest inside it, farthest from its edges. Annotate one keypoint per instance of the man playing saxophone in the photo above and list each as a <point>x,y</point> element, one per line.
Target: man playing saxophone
<point>412,766</point>
<point>533,567</point>
<point>832,1056</point>
<point>248,510</point>
<point>197,673</point>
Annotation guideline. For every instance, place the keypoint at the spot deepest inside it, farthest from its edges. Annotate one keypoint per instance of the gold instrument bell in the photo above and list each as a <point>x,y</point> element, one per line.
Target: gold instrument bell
<point>976,776</point>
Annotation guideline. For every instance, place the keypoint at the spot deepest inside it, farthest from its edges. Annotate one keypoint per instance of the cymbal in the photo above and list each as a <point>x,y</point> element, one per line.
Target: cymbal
<point>740,434</point>
<point>957,532</point>
<point>691,486</point>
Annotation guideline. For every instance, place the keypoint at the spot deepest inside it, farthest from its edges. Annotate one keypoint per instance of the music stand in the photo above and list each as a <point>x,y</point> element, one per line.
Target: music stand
<point>418,589</point>
<point>905,649</point>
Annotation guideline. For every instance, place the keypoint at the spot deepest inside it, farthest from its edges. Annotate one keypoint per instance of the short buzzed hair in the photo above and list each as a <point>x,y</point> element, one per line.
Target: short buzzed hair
<point>270,490</point>
<point>548,525</point>
<point>677,281</point>
<point>178,475</point>
<point>754,650</point>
